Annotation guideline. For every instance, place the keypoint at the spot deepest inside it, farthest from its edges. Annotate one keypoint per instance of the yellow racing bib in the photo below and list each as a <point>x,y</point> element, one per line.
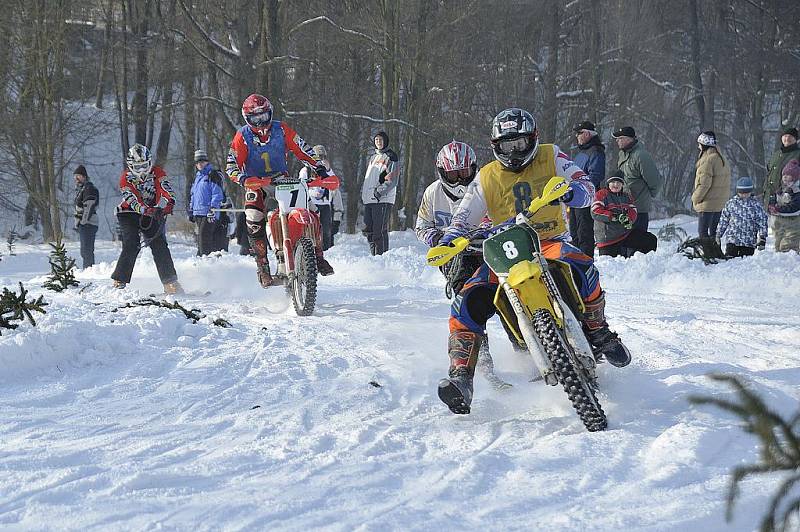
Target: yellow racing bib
<point>508,193</point>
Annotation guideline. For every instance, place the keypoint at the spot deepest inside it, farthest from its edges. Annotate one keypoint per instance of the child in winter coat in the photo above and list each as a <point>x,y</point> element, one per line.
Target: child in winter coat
<point>743,222</point>
<point>785,209</point>
<point>614,214</point>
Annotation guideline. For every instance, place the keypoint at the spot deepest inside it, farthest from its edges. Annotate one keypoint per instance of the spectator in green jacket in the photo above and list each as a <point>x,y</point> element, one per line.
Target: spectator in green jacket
<point>642,180</point>
<point>790,151</point>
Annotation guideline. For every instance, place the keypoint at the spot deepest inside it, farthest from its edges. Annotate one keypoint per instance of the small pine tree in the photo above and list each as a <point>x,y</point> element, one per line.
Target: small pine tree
<point>62,269</point>
<point>672,233</point>
<point>779,439</point>
<point>11,238</point>
<point>15,307</point>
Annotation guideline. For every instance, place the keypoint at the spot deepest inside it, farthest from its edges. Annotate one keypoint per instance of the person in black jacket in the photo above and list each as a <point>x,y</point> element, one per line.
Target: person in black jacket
<point>86,201</point>
<point>591,158</point>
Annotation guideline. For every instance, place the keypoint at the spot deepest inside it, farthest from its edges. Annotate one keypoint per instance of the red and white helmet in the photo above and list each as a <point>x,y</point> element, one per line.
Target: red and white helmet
<point>257,113</point>
<point>456,165</point>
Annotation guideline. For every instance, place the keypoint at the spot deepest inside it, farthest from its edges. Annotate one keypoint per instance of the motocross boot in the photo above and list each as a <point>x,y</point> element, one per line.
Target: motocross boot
<point>173,288</point>
<point>323,266</point>
<point>605,343</point>
<point>456,390</point>
<point>259,247</point>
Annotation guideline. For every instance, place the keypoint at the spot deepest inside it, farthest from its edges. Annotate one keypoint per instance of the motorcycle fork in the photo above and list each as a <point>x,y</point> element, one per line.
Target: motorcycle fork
<point>288,251</point>
<point>527,281</point>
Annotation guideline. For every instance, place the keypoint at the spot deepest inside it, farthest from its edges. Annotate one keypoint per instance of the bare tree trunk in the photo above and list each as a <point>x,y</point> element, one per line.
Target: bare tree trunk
<point>697,79</point>
<point>167,89</point>
<point>549,116</point>
<point>597,68</point>
<point>274,49</point>
<point>139,25</point>
<point>119,65</point>
<point>189,133</point>
<point>105,52</point>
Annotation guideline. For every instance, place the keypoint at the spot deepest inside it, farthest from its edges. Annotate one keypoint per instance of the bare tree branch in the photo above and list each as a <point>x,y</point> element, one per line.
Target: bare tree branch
<point>323,18</point>
<point>358,117</point>
<point>202,54</point>
<point>219,46</point>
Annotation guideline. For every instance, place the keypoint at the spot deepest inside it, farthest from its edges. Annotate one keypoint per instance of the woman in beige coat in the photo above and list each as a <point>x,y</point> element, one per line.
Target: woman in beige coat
<point>712,185</point>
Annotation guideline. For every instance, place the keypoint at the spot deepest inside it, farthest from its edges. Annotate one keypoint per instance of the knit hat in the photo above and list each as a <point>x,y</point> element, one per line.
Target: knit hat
<point>789,130</point>
<point>792,169</point>
<point>80,170</point>
<point>586,124</point>
<point>200,155</point>
<point>616,176</point>
<point>745,184</point>
<point>707,138</point>
<point>626,131</point>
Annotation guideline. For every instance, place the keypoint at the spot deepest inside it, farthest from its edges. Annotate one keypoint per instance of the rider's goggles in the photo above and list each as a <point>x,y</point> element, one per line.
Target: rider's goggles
<point>260,119</point>
<point>457,176</point>
<point>518,144</point>
<point>140,168</point>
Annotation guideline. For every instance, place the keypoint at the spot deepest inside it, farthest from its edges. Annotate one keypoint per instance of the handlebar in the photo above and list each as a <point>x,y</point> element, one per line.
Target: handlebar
<point>554,189</point>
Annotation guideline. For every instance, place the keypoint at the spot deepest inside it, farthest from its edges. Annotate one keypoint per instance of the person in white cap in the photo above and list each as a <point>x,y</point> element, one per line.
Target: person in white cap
<point>712,185</point>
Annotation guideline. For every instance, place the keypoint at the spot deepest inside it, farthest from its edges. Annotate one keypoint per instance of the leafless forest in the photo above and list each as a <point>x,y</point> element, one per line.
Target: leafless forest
<point>175,73</point>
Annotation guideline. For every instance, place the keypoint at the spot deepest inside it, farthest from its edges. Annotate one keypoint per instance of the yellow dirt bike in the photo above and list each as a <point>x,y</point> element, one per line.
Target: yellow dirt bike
<point>538,299</point>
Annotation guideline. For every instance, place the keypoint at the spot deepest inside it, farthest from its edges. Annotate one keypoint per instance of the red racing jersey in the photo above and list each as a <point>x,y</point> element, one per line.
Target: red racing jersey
<point>154,190</point>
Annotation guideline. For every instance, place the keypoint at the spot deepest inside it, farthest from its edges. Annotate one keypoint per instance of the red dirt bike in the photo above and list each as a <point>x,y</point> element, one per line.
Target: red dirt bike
<point>293,232</point>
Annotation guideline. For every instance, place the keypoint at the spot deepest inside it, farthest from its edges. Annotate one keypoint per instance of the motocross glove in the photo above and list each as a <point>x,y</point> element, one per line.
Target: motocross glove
<point>321,171</point>
<point>566,198</point>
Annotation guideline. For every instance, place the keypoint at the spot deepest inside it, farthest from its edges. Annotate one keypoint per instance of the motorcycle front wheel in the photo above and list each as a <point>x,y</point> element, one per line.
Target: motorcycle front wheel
<point>303,286</point>
<point>574,380</point>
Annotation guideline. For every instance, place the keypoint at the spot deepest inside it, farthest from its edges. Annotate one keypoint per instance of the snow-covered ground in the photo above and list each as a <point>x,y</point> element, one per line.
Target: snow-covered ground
<point>139,419</point>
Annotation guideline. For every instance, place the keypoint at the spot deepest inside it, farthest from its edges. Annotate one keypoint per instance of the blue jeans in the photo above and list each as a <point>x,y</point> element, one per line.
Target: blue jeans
<point>87,233</point>
<point>707,223</point>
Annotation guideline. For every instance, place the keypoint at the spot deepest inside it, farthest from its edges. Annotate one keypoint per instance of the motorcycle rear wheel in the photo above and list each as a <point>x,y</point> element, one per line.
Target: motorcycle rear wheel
<point>574,379</point>
<point>303,287</point>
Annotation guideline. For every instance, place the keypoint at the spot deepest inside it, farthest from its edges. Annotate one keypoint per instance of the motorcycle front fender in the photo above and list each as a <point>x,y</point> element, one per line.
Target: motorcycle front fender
<point>510,306</point>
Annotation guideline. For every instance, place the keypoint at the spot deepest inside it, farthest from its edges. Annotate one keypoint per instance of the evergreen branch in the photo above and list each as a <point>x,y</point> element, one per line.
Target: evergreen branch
<point>780,449</point>
<point>793,508</point>
<point>739,474</point>
<point>770,520</point>
<point>193,314</point>
<point>15,307</point>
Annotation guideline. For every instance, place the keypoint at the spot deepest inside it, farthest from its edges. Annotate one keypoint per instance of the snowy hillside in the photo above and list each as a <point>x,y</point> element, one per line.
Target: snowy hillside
<point>139,419</point>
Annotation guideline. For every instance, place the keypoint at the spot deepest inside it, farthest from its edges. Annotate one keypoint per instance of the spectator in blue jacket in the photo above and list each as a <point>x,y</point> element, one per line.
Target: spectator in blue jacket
<point>591,158</point>
<point>207,194</point>
<point>743,222</point>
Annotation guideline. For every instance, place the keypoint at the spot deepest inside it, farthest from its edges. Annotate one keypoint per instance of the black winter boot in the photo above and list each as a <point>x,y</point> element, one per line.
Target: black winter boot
<point>605,343</point>
<point>323,266</point>
<point>456,390</point>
